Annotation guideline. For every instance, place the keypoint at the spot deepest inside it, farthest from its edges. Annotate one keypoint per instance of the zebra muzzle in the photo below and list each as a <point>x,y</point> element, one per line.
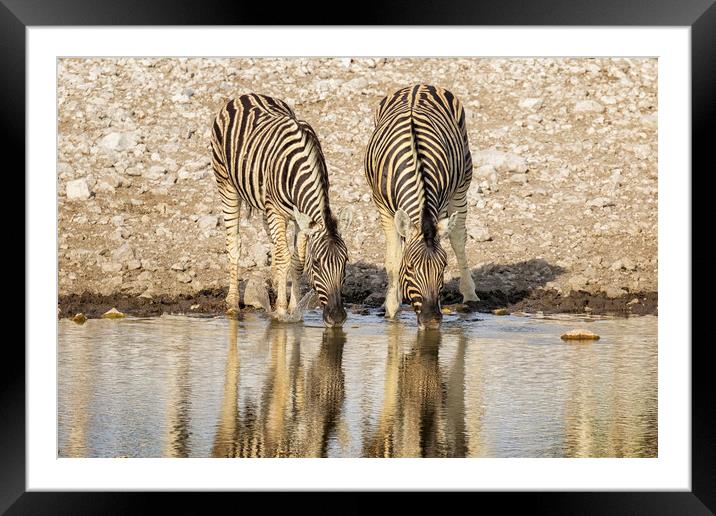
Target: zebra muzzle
<point>333,313</point>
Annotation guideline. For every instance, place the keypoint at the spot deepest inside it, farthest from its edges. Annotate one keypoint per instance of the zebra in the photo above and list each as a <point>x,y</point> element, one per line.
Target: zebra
<point>267,159</point>
<point>418,166</point>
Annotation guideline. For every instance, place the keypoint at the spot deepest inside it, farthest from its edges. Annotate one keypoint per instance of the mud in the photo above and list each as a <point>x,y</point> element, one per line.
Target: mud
<point>210,302</point>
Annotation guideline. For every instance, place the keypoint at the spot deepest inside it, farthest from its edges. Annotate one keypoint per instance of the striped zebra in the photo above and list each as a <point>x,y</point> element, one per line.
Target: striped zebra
<point>267,159</point>
<point>419,168</point>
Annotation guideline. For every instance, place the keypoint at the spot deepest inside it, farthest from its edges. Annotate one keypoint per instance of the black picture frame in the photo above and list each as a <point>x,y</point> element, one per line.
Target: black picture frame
<point>700,15</point>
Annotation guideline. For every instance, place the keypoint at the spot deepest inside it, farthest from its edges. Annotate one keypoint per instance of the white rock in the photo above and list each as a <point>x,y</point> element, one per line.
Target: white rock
<point>111,267</point>
<point>256,293</point>
<point>207,222</point>
<point>119,141</point>
<point>650,120</point>
<point>588,106</point>
<point>479,234</point>
<point>64,170</point>
<point>123,254</point>
<point>628,264</point>
<point>103,187</point>
<point>155,172</point>
<point>111,178</point>
<point>78,190</point>
<point>531,103</point>
<point>641,151</point>
<point>133,265</point>
<point>501,161</point>
<point>184,277</point>
<point>149,265</point>
<point>578,282</point>
<point>600,202</point>
<point>179,266</point>
<point>358,84</point>
<point>258,254</point>
<point>180,98</point>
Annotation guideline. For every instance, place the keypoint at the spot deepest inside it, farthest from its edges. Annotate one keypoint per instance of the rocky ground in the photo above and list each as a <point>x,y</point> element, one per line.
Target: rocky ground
<point>563,203</point>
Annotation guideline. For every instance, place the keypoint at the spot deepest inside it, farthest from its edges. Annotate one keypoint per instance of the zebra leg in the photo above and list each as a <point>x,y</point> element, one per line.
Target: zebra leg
<point>457,241</point>
<point>280,258</point>
<point>393,248</point>
<point>231,204</point>
<point>298,260</point>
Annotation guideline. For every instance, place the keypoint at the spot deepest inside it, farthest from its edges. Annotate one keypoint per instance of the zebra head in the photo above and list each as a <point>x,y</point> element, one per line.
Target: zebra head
<point>325,266</point>
<point>423,265</point>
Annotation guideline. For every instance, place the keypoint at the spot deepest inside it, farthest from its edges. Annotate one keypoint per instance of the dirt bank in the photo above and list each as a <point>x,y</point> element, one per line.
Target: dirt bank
<point>563,205</point>
<point>211,302</point>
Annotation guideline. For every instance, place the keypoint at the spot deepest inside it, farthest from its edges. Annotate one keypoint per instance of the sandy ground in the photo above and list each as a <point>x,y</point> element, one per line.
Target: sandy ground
<point>563,204</point>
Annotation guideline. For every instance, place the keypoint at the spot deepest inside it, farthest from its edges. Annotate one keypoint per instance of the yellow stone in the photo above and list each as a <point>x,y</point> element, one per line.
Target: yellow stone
<point>79,318</point>
<point>500,311</point>
<point>580,335</point>
<point>113,314</point>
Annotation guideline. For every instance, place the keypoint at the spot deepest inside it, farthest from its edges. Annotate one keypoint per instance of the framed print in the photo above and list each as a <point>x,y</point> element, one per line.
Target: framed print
<point>450,252</point>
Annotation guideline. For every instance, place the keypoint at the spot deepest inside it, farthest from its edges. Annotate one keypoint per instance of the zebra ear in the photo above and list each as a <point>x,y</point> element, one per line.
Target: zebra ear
<point>446,225</point>
<point>403,223</point>
<point>345,219</point>
<point>305,224</point>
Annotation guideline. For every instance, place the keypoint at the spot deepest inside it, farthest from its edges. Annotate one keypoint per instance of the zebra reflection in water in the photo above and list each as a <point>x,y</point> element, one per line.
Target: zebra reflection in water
<point>423,405</point>
<point>299,410</point>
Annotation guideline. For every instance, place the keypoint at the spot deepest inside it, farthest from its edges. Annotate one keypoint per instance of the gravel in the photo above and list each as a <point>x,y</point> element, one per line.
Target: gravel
<point>564,193</point>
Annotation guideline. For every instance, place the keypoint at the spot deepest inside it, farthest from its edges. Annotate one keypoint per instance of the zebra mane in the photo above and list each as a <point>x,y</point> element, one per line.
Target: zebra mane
<point>329,220</point>
<point>330,223</point>
<point>428,227</point>
<point>428,224</point>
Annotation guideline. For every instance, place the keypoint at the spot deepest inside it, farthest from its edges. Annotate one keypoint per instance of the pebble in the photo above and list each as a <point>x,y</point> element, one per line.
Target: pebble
<point>155,172</point>
<point>79,318</point>
<point>651,120</point>
<point>479,234</point>
<point>256,293</point>
<point>532,103</point>
<point>113,314</point>
<point>600,202</point>
<point>580,335</point>
<point>588,106</point>
<point>118,141</point>
<point>500,161</point>
<point>207,222</point>
<point>614,292</point>
<point>77,190</point>
<point>183,277</point>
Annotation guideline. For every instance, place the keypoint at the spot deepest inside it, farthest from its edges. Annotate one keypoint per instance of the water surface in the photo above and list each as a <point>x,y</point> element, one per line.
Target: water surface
<point>482,386</point>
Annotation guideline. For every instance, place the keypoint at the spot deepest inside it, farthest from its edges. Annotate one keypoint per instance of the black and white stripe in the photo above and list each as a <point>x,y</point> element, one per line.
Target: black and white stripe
<point>267,159</point>
<point>419,167</point>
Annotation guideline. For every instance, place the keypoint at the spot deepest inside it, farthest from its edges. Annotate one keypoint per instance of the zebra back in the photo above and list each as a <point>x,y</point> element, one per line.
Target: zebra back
<point>418,156</point>
<point>260,149</point>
